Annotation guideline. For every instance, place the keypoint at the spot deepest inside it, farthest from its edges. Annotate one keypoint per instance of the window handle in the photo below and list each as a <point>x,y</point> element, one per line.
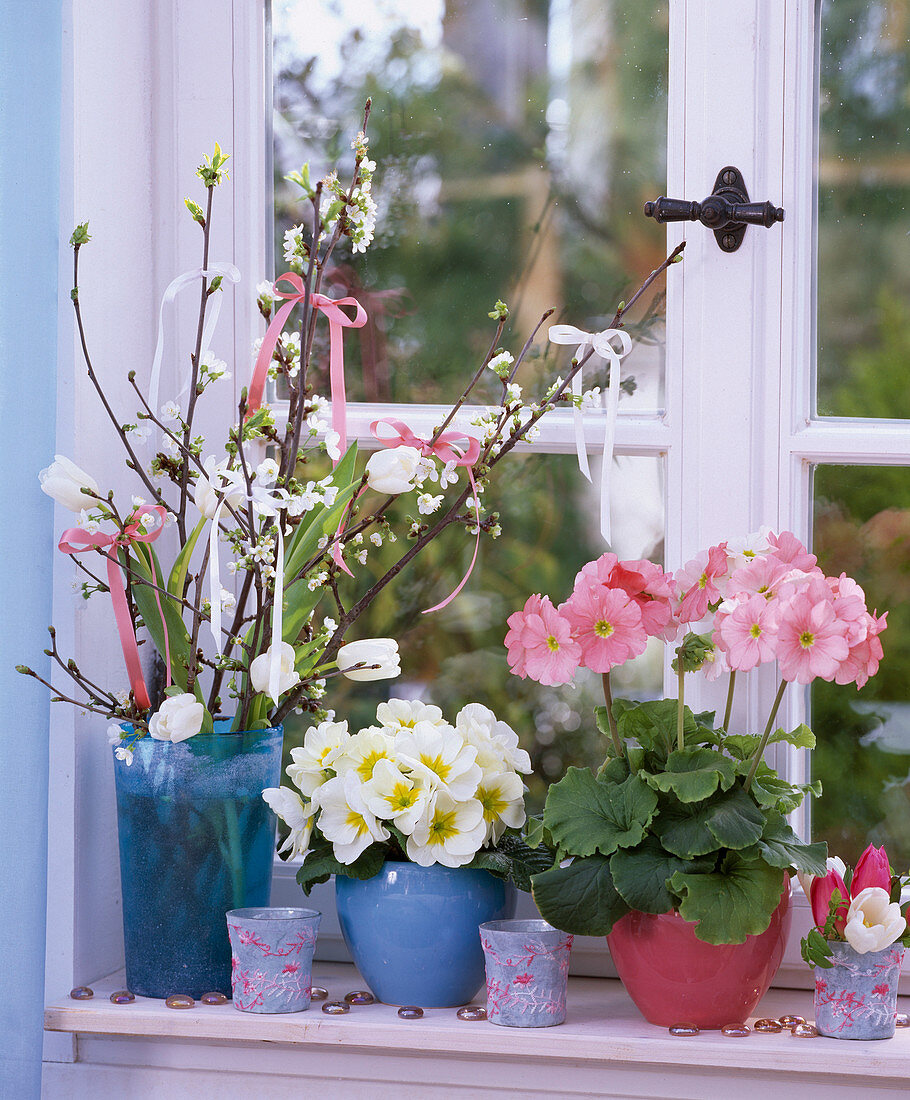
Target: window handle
<point>726,210</point>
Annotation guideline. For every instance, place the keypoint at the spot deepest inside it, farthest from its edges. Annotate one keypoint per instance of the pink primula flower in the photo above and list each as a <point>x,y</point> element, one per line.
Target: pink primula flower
<point>606,622</point>
<point>540,644</point>
<point>701,581</point>
<point>863,658</point>
<point>810,638</point>
<point>748,633</point>
<point>760,577</point>
<point>850,607</point>
<point>649,586</point>
<point>786,547</point>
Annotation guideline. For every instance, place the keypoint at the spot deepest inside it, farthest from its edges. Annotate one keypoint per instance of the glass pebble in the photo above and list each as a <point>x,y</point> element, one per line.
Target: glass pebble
<point>180,1000</point>
<point>683,1029</point>
<point>791,1021</point>
<point>359,997</point>
<point>410,1012</point>
<point>902,1020</point>
<point>772,1027</point>
<point>805,1031</point>
<point>471,1013</point>
<point>214,998</point>
<point>82,993</point>
<point>317,993</point>
<point>122,997</point>
<point>336,1008</point>
<point>736,1031</point>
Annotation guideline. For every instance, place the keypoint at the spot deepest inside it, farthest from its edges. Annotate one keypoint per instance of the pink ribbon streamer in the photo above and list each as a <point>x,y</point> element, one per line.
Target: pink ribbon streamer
<point>76,541</point>
<point>338,320</point>
<point>449,447</point>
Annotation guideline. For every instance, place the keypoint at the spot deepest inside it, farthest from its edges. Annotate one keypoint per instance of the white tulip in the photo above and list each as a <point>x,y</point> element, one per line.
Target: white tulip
<point>393,471</point>
<point>378,657</point>
<point>344,818</point>
<point>449,833</point>
<point>296,814</point>
<point>64,481</point>
<point>874,922</point>
<point>287,676</point>
<point>439,755</point>
<point>178,717</point>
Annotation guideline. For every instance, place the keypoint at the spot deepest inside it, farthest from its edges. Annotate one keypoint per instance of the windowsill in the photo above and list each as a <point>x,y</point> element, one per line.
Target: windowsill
<point>603,1030</point>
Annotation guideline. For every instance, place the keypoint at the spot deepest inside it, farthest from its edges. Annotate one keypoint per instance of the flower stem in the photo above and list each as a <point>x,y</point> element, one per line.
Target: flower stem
<point>608,699</point>
<point>680,709</point>
<point>765,736</point>
<point>729,708</point>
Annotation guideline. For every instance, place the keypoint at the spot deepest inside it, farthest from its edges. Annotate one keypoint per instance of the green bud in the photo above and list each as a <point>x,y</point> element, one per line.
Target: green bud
<point>25,670</point>
<point>694,651</point>
<point>216,284</point>
<point>74,294</point>
<point>212,170</point>
<point>80,235</point>
<point>620,307</point>
<point>678,259</point>
<point>499,312</point>
<point>196,210</point>
<point>302,179</point>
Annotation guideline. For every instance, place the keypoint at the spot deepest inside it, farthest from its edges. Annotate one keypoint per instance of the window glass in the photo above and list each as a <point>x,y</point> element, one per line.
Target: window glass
<point>864,209</point>
<point>516,141</point>
<point>862,527</point>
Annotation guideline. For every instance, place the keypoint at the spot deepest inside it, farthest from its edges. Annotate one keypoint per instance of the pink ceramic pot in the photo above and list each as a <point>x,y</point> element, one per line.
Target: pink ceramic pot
<point>674,978</point>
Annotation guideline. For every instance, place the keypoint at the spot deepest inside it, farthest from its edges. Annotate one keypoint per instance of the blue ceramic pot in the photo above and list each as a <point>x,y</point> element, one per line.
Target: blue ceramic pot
<point>196,839</point>
<point>857,997</point>
<point>412,930</point>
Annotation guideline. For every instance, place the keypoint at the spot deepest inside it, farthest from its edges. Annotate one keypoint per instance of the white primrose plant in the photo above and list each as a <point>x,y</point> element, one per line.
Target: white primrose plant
<point>412,787</point>
<point>229,596</point>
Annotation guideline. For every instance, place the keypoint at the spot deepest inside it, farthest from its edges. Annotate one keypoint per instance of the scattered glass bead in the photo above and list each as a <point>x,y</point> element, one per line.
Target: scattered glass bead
<point>471,1013</point>
<point>683,1029</point>
<point>410,1012</point>
<point>736,1031</point>
<point>214,998</point>
<point>122,997</point>
<point>180,1000</point>
<point>359,997</point>
<point>791,1021</point>
<point>317,993</point>
<point>770,1026</point>
<point>83,993</point>
<point>336,1008</point>
<point>902,1020</point>
<point>805,1031</point>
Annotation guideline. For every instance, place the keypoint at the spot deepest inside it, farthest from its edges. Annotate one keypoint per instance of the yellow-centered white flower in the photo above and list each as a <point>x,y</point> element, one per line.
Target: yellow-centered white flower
<point>311,762</point>
<point>502,798</point>
<point>287,677</point>
<point>399,714</point>
<point>178,717</point>
<point>363,751</point>
<point>496,742</point>
<point>394,796</point>
<point>296,814</point>
<point>394,470</point>
<point>64,481</point>
<point>378,659</point>
<point>449,832</point>
<point>440,757</point>
<point>345,820</point>
<point>874,922</point>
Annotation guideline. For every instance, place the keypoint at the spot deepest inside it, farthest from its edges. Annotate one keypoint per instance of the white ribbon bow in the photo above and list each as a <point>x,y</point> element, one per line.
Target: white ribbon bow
<point>602,344</point>
<point>226,271</point>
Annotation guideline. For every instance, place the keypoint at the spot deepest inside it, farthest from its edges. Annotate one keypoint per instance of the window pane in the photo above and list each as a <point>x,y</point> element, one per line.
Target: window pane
<point>456,656</point>
<point>864,209</point>
<point>516,141</point>
<point>862,527</point>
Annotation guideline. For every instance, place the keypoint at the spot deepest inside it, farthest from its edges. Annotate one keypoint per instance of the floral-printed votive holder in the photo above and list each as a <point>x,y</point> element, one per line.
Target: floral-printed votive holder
<point>272,958</point>
<point>857,997</point>
<point>527,964</point>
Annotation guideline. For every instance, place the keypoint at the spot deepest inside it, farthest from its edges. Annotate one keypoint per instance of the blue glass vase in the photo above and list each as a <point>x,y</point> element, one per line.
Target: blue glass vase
<point>413,931</point>
<point>196,839</point>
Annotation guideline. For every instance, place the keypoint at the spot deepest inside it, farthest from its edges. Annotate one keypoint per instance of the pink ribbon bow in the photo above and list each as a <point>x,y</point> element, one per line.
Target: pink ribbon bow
<point>338,320</point>
<point>449,447</point>
<point>76,541</point>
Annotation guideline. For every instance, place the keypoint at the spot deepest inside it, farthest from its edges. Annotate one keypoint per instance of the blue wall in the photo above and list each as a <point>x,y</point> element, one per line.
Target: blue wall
<point>30,85</point>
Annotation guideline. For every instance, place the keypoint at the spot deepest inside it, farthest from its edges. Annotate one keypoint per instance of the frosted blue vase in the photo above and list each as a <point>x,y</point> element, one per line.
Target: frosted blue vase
<point>196,839</point>
<point>856,998</point>
<point>412,931</point>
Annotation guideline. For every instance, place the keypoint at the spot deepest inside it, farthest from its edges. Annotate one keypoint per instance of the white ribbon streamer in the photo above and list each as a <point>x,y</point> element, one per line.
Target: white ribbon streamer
<point>226,271</point>
<point>602,344</point>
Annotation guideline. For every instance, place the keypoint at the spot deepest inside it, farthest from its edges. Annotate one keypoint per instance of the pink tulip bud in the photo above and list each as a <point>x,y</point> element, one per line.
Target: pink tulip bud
<point>820,896</point>
<point>872,869</point>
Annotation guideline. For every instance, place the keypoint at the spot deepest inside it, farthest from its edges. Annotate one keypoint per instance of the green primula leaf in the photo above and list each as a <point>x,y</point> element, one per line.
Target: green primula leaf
<point>587,815</point>
<point>781,847</point>
<point>615,769</point>
<point>514,860</point>
<point>694,774</point>
<point>732,903</point>
<point>580,898</point>
<point>735,820</point>
<point>801,738</point>
<point>320,864</point>
<point>653,725</point>
<point>742,746</point>
<point>683,828</point>
<point>773,793</point>
<point>640,875</point>
<point>535,832</point>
